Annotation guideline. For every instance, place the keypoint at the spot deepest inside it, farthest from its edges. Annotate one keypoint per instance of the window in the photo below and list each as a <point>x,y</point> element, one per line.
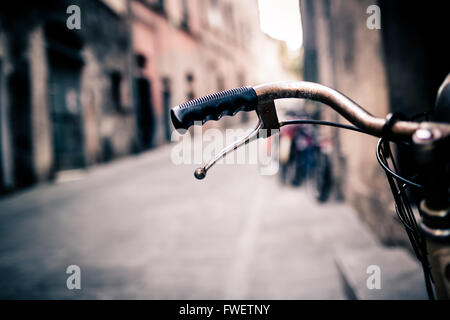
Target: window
<point>185,18</point>
<point>189,77</point>
<point>167,104</point>
<point>229,17</point>
<point>214,16</point>
<point>157,5</point>
<point>190,83</point>
<point>141,60</point>
<point>161,5</point>
<point>116,80</point>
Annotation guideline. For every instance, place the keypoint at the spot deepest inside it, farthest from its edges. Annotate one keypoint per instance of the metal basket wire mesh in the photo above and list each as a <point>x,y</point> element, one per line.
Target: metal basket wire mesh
<point>406,206</point>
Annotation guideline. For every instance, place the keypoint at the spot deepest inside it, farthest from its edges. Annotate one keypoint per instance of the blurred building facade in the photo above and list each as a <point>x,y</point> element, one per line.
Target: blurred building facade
<point>71,98</point>
<point>192,48</point>
<point>65,98</point>
<point>396,68</point>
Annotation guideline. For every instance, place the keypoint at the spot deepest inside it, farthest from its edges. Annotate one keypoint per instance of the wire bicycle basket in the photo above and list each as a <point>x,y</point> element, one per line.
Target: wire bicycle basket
<point>406,204</point>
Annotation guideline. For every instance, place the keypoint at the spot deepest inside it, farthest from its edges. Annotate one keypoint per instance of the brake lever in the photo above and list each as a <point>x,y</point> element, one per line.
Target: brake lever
<point>268,121</point>
<point>200,173</point>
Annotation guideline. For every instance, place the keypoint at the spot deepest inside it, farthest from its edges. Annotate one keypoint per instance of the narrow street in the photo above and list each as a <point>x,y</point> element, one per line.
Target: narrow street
<point>143,228</point>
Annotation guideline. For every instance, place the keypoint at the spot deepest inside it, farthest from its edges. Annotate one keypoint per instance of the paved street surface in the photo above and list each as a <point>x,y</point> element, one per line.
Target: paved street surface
<point>143,228</point>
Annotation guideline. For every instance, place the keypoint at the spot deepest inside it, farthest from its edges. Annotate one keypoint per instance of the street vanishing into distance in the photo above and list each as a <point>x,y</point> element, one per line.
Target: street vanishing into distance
<point>144,228</point>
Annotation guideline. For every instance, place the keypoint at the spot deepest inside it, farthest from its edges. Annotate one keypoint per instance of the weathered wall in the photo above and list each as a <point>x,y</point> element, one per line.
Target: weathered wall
<point>396,68</point>
<point>350,59</point>
<point>107,50</point>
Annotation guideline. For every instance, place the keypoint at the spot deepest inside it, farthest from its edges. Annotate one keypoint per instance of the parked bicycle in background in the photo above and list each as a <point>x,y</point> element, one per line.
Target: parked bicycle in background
<point>304,157</point>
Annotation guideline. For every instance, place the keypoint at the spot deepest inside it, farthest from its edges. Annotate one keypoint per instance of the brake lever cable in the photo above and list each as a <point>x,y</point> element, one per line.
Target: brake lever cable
<point>324,123</point>
<point>200,173</point>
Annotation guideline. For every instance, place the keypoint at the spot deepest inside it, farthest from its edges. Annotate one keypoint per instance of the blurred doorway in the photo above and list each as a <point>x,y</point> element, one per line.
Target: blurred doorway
<point>66,113</point>
<point>166,95</point>
<point>145,116</point>
<point>65,65</point>
<point>19,88</point>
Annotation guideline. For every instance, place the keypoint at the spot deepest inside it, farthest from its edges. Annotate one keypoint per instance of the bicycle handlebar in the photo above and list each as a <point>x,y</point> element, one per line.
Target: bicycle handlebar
<point>213,107</point>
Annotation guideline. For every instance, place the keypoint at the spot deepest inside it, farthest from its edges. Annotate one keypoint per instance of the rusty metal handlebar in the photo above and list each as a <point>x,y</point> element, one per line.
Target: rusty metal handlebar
<point>213,107</point>
<point>346,107</point>
<point>261,99</point>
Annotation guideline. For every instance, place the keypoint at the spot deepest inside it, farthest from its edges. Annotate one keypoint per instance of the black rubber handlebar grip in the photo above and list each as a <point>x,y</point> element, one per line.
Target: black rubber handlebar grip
<point>214,107</point>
